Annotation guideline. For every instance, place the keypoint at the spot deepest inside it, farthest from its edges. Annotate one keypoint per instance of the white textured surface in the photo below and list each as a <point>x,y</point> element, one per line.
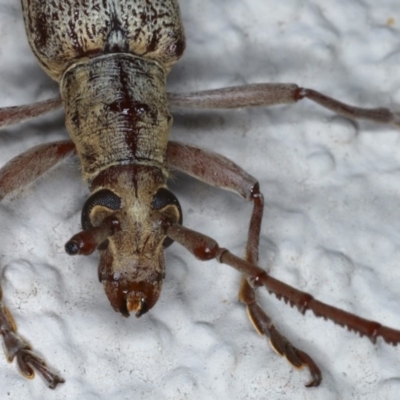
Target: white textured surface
<point>332,189</point>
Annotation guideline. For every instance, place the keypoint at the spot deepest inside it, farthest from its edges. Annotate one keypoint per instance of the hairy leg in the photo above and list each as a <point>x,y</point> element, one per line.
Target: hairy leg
<point>218,171</point>
<point>269,94</point>
<point>16,174</point>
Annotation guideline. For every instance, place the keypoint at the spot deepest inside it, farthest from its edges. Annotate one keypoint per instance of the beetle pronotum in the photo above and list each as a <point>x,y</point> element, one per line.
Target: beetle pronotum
<point>221,273</point>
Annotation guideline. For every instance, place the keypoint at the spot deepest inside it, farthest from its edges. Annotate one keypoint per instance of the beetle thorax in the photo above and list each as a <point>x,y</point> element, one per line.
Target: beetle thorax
<point>116,112</point>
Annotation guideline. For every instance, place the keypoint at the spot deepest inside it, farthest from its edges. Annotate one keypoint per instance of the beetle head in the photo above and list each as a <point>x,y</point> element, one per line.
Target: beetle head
<point>132,266</point>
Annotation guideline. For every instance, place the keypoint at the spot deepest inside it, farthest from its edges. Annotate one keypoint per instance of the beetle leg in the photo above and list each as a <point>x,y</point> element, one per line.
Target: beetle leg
<point>264,326</point>
<point>16,174</point>
<point>28,166</point>
<point>16,346</point>
<point>18,114</point>
<point>268,94</point>
<point>260,320</point>
<point>218,171</point>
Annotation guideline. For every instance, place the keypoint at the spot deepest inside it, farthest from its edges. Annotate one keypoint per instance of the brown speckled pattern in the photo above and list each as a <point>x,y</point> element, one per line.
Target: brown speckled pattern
<point>62,31</point>
<point>111,58</point>
<point>117,116</point>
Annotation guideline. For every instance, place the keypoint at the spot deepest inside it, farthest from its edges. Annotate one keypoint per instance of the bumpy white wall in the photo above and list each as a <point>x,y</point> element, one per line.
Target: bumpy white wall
<point>332,189</point>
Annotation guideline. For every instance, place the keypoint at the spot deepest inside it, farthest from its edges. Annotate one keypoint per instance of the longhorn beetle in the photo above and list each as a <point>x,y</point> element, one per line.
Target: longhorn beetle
<point>117,86</point>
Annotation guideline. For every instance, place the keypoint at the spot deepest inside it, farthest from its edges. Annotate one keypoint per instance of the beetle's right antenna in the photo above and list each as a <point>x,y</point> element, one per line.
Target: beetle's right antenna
<point>88,240</point>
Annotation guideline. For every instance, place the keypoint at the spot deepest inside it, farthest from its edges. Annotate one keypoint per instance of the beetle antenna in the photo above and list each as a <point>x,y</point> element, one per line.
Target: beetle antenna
<point>88,240</point>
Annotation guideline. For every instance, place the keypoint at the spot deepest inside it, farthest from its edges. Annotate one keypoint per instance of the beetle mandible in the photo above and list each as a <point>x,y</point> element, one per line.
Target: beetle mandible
<point>102,215</point>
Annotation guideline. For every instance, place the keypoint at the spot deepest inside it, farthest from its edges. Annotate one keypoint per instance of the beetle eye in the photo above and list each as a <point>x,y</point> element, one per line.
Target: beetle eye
<point>105,198</point>
<point>163,199</point>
